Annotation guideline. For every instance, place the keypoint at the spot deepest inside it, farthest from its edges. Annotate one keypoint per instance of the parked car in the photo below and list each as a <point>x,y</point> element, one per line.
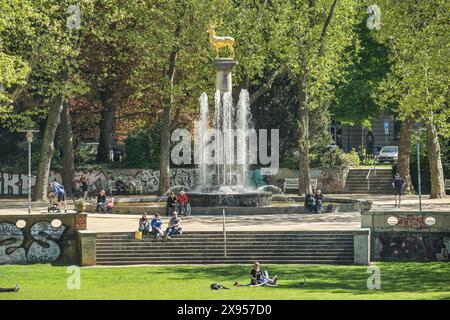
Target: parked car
<point>388,154</point>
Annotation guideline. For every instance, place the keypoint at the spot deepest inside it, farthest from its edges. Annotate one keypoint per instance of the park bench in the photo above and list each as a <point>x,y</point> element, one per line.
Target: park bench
<point>292,184</point>
<point>112,187</point>
<point>447,185</point>
<point>136,189</point>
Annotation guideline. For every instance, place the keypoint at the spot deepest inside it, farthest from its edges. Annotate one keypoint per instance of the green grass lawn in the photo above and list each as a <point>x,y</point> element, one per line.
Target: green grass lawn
<point>398,281</point>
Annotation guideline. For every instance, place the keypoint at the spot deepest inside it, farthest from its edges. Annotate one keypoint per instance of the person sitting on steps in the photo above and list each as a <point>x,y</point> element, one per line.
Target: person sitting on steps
<point>109,205</point>
<point>171,203</point>
<point>120,186</point>
<point>310,202</point>
<point>101,202</point>
<point>318,208</point>
<point>156,225</point>
<point>144,224</point>
<point>174,226</point>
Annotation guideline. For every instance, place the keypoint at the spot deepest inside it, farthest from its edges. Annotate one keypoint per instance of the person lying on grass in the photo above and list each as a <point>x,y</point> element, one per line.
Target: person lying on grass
<point>259,278</point>
<point>15,289</point>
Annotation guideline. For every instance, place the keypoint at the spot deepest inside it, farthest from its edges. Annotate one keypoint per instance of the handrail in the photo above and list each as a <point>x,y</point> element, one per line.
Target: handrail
<point>224,235</point>
<point>370,170</point>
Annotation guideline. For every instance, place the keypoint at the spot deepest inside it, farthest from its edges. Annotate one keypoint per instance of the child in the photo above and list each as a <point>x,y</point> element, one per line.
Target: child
<point>109,205</point>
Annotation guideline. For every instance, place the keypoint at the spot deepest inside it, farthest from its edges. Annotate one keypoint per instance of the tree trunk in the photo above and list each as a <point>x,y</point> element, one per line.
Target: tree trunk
<point>404,154</point>
<point>41,187</point>
<point>434,158</point>
<point>106,125</point>
<point>168,124</point>
<point>164,160</point>
<point>303,144</point>
<point>68,157</point>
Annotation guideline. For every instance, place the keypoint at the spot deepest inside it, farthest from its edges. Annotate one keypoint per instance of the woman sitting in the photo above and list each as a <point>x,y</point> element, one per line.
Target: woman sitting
<point>101,202</point>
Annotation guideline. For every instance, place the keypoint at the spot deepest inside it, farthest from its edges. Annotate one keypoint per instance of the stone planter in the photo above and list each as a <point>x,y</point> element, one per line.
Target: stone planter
<point>80,207</point>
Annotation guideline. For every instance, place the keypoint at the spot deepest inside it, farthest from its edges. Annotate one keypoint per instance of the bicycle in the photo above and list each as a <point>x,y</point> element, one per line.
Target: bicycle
<point>78,193</point>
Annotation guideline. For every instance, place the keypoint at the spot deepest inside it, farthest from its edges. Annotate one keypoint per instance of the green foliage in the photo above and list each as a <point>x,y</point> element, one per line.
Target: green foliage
<point>334,158</point>
<point>417,34</point>
<point>142,148</point>
<point>356,97</point>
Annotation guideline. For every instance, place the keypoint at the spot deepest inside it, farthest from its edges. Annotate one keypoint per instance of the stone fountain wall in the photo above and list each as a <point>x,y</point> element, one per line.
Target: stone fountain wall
<point>16,184</point>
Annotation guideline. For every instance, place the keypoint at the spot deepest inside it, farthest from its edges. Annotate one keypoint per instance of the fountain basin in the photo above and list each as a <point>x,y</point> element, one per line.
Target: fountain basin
<point>240,199</point>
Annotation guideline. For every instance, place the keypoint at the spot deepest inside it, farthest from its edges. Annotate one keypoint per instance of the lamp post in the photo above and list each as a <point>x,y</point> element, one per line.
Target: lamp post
<point>29,140</point>
<point>418,127</point>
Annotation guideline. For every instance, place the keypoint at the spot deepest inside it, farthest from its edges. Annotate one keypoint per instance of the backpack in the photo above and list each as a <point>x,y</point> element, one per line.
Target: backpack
<point>216,286</point>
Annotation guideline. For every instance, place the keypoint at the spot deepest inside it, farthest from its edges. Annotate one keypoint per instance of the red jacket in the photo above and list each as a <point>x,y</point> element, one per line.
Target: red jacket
<point>182,198</point>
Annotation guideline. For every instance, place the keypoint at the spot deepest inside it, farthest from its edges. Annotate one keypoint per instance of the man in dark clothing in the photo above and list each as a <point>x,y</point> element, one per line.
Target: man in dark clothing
<point>318,208</point>
<point>259,278</point>
<point>310,202</point>
<point>398,185</point>
<point>15,289</point>
<point>120,186</point>
<point>171,203</point>
<point>101,202</point>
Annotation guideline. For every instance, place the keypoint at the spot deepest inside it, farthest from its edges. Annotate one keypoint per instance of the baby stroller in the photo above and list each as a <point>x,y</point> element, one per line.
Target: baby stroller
<point>53,207</point>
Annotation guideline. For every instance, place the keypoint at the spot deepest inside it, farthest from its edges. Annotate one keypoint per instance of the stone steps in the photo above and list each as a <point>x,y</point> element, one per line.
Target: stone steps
<point>380,182</point>
<point>313,247</point>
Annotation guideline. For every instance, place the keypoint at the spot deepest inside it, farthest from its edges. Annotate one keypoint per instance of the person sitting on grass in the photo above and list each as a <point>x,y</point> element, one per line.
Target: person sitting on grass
<point>144,224</point>
<point>260,278</point>
<point>109,205</point>
<point>101,202</point>
<point>174,226</point>
<point>156,225</point>
<point>15,289</point>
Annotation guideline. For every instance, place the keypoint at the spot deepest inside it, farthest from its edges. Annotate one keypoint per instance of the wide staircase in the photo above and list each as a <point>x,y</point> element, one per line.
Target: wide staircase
<point>380,181</point>
<point>313,247</point>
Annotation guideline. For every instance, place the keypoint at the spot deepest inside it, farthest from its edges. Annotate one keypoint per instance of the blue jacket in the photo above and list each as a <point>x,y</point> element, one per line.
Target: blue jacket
<point>57,188</point>
<point>156,223</point>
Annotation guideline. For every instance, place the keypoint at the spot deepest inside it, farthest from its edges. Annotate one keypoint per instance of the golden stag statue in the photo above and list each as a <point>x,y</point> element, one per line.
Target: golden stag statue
<point>220,42</point>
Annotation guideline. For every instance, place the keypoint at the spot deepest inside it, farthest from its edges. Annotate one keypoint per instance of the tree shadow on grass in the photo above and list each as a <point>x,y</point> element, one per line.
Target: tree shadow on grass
<point>395,277</point>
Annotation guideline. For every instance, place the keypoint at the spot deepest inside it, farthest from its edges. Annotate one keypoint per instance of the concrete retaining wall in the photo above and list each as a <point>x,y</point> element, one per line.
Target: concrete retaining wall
<point>45,238</point>
<point>16,184</point>
<point>410,236</point>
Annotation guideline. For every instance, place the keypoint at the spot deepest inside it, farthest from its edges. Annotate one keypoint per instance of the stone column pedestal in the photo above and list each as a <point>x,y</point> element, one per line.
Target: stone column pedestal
<point>223,68</point>
<point>87,246</point>
<point>361,246</point>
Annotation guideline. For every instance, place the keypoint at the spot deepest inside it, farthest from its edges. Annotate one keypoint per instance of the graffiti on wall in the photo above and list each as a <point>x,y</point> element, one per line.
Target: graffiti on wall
<point>411,222</point>
<point>413,247</point>
<point>38,244</point>
<point>17,184</point>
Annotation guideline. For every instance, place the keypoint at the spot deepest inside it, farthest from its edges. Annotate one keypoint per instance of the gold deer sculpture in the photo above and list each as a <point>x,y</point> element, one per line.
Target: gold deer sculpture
<point>220,42</point>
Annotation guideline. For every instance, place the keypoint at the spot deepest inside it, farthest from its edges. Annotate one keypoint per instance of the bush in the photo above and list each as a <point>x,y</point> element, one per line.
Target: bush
<point>334,158</point>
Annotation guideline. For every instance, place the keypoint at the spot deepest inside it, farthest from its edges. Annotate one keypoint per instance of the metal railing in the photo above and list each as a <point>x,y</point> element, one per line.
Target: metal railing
<point>374,168</point>
<point>224,235</point>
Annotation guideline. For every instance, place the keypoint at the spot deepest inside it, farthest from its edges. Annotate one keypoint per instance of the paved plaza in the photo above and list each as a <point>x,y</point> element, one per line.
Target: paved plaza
<point>274,222</point>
